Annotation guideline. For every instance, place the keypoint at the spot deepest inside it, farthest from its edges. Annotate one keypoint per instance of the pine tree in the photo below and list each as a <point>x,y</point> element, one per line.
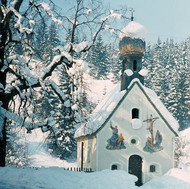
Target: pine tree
<point>168,76</point>
<point>98,60</point>
<point>17,149</point>
<point>45,41</point>
<point>62,143</point>
<point>53,40</point>
<point>39,41</point>
<point>115,63</point>
<point>180,86</point>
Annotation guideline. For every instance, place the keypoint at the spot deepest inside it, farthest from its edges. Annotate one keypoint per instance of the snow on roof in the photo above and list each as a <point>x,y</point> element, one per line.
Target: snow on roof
<point>133,30</point>
<point>163,110</point>
<point>101,112</point>
<point>143,72</point>
<point>109,103</point>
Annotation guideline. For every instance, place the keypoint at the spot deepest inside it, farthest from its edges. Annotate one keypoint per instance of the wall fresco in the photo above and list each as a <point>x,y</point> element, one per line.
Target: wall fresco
<point>116,141</point>
<point>153,144</point>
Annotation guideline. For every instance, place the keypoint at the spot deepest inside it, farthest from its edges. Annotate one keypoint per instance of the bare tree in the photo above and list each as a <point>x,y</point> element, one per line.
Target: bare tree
<point>21,75</point>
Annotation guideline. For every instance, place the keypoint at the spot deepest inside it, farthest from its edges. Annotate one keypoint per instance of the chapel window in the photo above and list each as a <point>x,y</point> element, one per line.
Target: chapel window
<point>135,113</point>
<point>152,168</point>
<point>114,167</point>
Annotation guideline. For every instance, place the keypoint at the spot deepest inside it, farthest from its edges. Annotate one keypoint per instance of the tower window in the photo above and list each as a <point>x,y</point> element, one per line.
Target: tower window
<point>152,168</point>
<point>135,113</point>
<point>134,65</point>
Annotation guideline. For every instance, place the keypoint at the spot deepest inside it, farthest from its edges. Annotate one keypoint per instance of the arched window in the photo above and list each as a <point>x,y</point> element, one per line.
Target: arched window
<point>114,167</point>
<point>134,65</point>
<point>135,113</point>
<point>152,168</point>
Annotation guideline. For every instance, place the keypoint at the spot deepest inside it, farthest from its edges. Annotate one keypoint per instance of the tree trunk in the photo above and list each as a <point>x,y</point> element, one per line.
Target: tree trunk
<point>4,103</point>
<point>3,147</point>
<point>2,125</point>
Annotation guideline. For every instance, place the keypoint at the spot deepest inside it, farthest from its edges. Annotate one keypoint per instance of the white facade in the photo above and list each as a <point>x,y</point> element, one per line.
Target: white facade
<point>98,156</point>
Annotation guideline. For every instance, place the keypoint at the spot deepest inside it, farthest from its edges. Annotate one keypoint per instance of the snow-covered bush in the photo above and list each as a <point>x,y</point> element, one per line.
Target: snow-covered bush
<point>183,150</point>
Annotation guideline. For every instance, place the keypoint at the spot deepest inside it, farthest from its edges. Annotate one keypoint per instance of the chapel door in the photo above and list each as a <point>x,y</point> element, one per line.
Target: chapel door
<point>135,168</point>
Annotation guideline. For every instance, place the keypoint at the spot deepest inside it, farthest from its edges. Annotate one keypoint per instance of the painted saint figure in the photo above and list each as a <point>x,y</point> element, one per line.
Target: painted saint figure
<point>120,140</point>
<point>148,146</point>
<point>158,139</point>
<point>113,139</point>
<point>116,141</point>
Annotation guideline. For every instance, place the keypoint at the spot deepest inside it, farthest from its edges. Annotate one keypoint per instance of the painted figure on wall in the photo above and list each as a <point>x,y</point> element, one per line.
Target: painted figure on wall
<point>158,139</point>
<point>153,144</point>
<point>116,141</point>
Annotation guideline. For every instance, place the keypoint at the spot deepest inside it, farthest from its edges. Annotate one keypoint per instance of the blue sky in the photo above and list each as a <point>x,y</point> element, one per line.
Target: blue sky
<point>161,18</point>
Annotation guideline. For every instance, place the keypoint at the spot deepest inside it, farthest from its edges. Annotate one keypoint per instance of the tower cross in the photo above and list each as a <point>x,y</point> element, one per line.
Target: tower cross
<point>132,11</point>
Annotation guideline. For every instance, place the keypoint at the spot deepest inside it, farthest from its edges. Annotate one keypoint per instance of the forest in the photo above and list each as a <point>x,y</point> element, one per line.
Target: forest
<point>44,52</point>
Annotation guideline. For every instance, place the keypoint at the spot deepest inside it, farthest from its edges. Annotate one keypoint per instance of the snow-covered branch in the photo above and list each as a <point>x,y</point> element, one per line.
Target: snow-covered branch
<point>49,12</point>
<point>18,24</point>
<point>48,123</point>
<point>29,80</point>
<point>58,60</point>
<point>57,90</point>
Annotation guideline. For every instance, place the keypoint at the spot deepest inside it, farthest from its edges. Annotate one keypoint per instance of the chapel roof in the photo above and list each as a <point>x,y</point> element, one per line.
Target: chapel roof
<point>106,108</point>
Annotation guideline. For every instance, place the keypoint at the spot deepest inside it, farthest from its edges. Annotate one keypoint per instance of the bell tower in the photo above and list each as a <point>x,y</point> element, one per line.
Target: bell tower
<point>132,48</point>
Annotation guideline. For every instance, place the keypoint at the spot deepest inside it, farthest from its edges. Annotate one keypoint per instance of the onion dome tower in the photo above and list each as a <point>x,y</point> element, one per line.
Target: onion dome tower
<point>132,48</point>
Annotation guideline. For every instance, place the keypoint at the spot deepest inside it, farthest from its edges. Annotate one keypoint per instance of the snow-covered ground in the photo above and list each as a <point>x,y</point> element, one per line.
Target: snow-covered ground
<point>174,179</point>
<point>58,178</point>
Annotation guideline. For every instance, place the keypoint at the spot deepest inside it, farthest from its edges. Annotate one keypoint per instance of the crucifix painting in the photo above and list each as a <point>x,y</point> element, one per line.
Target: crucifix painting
<point>153,144</point>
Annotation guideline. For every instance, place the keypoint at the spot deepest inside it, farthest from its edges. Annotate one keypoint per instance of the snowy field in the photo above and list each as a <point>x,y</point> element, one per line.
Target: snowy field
<point>58,178</point>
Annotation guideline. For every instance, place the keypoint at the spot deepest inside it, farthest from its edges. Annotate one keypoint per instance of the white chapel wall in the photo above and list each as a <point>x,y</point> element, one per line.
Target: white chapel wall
<point>163,159</point>
<point>89,152</point>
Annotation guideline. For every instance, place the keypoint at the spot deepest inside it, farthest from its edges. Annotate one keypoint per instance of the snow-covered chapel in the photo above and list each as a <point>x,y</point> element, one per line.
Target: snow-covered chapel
<point>130,129</point>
